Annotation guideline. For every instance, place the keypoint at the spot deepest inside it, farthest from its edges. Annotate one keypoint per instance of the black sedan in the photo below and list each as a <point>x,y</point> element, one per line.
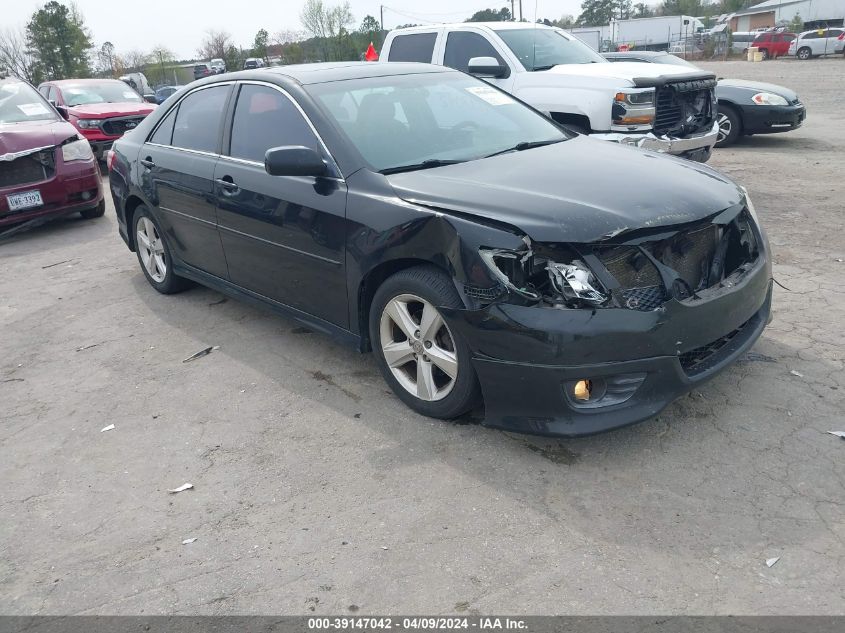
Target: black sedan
<point>745,107</point>
<point>483,253</point>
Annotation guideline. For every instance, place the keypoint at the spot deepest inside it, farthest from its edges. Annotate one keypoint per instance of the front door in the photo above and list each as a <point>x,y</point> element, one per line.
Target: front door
<point>177,175</point>
<point>284,237</point>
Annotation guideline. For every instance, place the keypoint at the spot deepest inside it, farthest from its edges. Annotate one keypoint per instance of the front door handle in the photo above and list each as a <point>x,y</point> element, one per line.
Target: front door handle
<point>147,162</point>
<point>228,185</point>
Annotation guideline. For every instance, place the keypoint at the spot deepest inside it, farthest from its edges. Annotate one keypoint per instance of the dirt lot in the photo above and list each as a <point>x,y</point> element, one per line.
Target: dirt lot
<point>315,489</point>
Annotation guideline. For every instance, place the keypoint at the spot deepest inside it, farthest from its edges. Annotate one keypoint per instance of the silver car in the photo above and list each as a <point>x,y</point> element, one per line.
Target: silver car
<point>818,42</point>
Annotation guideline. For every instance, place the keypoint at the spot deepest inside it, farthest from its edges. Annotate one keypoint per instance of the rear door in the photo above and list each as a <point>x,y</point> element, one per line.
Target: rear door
<point>177,174</point>
<point>284,237</point>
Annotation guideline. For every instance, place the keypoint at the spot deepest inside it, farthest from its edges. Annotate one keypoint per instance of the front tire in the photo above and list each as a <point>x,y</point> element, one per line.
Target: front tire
<point>730,126</point>
<point>427,365</point>
<point>154,254</point>
<point>96,212</point>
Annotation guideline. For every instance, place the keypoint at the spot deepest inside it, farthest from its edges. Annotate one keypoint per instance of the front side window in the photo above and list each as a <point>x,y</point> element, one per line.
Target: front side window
<point>197,124</point>
<point>462,46</point>
<point>541,49</point>
<point>99,92</point>
<point>19,103</point>
<point>414,47</point>
<point>404,120</point>
<point>266,118</point>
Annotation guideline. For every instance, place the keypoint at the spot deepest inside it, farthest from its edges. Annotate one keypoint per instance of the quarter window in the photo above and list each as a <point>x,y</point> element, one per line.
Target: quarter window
<point>416,47</point>
<point>462,46</point>
<point>266,118</point>
<point>197,125</point>
<point>164,134</point>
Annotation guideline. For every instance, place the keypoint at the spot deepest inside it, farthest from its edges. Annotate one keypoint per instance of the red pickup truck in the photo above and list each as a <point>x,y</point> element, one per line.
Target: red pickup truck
<point>101,109</point>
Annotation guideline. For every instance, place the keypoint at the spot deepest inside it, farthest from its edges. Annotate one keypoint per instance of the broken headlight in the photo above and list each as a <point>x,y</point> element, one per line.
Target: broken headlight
<point>539,278</point>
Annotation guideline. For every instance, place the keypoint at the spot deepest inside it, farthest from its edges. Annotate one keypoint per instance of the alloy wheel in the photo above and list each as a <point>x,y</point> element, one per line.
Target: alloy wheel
<point>724,126</point>
<point>418,347</point>
<point>151,249</point>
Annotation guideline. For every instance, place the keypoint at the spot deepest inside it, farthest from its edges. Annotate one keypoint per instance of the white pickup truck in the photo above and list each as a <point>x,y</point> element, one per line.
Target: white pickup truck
<point>658,107</point>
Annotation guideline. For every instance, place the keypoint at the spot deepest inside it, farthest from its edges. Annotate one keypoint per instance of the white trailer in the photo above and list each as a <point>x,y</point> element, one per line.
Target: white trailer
<point>654,33</point>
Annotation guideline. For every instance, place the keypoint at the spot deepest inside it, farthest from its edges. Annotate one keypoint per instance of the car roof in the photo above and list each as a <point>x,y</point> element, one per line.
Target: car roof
<point>339,71</point>
<point>496,26</point>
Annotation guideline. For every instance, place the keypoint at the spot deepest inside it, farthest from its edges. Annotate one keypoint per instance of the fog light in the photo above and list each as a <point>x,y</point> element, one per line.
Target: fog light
<point>582,390</point>
<point>86,195</point>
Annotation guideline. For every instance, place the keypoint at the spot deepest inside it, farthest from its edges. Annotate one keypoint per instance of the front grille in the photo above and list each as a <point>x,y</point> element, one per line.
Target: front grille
<point>33,168</point>
<point>117,127</point>
<point>630,267</point>
<point>690,253</point>
<point>668,112</point>
<point>644,299</point>
<point>684,107</point>
<point>700,359</point>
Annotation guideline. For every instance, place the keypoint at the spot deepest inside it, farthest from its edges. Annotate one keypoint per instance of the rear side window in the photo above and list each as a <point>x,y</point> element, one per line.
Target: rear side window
<point>416,47</point>
<point>265,118</point>
<point>197,123</point>
<point>462,46</point>
<point>164,133</point>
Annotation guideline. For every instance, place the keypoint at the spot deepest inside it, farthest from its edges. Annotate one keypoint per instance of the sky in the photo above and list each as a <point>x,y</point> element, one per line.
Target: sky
<point>179,25</point>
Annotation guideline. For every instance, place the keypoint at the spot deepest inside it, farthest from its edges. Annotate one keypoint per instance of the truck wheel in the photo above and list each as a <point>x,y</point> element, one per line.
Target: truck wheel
<point>730,126</point>
<point>804,53</point>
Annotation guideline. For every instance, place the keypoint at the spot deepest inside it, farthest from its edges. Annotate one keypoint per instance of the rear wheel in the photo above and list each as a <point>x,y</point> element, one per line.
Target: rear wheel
<point>730,126</point>
<point>154,254</point>
<point>96,212</point>
<point>765,53</point>
<point>804,53</point>
<point>427,365</point>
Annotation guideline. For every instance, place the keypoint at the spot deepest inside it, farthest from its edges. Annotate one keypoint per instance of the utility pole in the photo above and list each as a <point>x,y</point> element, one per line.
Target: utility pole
<point>520,10</point>
<point>513,17</point>
<point>381,22</point>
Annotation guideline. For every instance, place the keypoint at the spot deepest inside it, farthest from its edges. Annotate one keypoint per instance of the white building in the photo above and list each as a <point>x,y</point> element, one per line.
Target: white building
<point>777,12</point>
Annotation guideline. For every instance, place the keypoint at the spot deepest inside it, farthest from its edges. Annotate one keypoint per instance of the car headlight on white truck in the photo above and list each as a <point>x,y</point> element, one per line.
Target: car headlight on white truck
<point>769,99</point>
<point>77,150</point>
<point>633,110</point>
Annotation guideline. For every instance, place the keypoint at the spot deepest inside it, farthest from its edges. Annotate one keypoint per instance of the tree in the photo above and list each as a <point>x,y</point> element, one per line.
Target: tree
<point>259,45</point>
<point>369,25</point>
<point>642,10</point>
<point>215,45</point>
<point>329,26</point>
<point>135,60</point>
<point>565,22</point>
<point>161,59</point>
<point>797,24</point>
<point>15,58</point>
<point>106,58</point>
<point>601,12</point>
<point>491,15</point>
<point>59,42</point>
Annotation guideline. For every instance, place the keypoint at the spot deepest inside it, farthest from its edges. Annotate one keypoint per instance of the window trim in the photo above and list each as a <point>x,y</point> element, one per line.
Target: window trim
<point>434,49</point>
<point>230,117</point>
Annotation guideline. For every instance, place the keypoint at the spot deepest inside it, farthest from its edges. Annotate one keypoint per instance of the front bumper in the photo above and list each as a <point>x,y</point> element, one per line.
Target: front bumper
<point>526,356</point>
<point>702,141</point>
<point>770,119</point>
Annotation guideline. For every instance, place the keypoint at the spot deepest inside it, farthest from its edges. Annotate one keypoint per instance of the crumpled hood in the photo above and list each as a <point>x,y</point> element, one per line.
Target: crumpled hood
<point>579,190</point>
<point>626,70</point>
<point>107,110</point>
<point>22,137</point>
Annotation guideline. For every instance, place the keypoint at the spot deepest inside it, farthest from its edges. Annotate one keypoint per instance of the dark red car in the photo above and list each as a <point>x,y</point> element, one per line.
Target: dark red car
<point>46,167</point>
<point>773,43</point>
<point>101,109</point>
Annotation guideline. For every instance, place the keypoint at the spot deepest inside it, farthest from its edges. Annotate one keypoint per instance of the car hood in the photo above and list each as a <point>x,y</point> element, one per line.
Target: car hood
<point>107,110</point>
<point>753,87</point>
<point>630,71</point>
<point>23,138</point>
<point>581,190</point>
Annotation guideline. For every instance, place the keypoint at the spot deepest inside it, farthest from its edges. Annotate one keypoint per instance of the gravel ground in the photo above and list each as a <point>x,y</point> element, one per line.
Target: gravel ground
<point>315,490</point>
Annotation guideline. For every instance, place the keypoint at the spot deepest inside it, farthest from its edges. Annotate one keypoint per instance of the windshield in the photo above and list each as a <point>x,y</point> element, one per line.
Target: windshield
<point>405,120</point>
<point>105,92</point>
<point>20,103</point>
<point>541,49</point>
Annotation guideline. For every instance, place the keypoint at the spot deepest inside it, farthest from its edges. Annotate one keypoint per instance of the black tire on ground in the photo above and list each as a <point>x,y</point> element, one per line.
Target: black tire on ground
<point>434,286</point>
<point>732,120</point>
<point>765,53</point>
<point>804,53</point>
<point>171,283</point>
<point>96,212</point>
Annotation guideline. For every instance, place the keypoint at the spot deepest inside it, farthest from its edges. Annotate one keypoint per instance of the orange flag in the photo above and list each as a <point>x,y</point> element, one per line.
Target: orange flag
<point>371,55</point>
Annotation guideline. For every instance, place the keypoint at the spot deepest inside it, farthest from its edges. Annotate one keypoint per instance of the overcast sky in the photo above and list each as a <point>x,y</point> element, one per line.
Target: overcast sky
<point>179,24</point>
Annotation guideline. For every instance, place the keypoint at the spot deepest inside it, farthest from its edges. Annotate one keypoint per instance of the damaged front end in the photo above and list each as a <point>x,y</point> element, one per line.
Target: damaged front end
<point>640,272</point>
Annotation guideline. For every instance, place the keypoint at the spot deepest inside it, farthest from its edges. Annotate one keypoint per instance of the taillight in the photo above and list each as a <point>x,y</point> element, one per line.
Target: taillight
<point>110,159</point>
<point>841,36</point>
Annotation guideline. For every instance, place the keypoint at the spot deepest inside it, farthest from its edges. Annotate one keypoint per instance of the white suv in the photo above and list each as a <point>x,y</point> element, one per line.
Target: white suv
<point>818,42</point>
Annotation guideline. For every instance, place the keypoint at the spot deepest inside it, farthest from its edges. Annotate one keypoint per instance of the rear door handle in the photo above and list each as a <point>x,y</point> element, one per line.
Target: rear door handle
<point>229,187</point>
<point>147,162</point>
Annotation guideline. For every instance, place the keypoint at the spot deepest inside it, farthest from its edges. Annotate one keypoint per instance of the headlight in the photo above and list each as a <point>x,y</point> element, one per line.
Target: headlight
<point>87,124</point>
<point>750,206</point>
<point>634,108</point>
<point>767,98</point>
<point>77,150</point>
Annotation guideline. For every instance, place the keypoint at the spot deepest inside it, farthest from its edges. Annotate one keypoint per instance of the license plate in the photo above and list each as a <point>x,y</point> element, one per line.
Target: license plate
<point>25,200</point>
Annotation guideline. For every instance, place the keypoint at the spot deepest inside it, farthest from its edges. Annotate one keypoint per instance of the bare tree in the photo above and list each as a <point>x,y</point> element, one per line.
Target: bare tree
<point>106,58</point>
<point>328,24</point>
<point>215,44</point>
<point>15,57</point>
<point>135,60</point>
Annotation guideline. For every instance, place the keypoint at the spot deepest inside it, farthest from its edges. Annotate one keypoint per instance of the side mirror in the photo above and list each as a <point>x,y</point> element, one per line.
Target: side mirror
<point>486,67</point>
<point>294,160</point>
<point>150,98</point>
<point>62,111</point>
